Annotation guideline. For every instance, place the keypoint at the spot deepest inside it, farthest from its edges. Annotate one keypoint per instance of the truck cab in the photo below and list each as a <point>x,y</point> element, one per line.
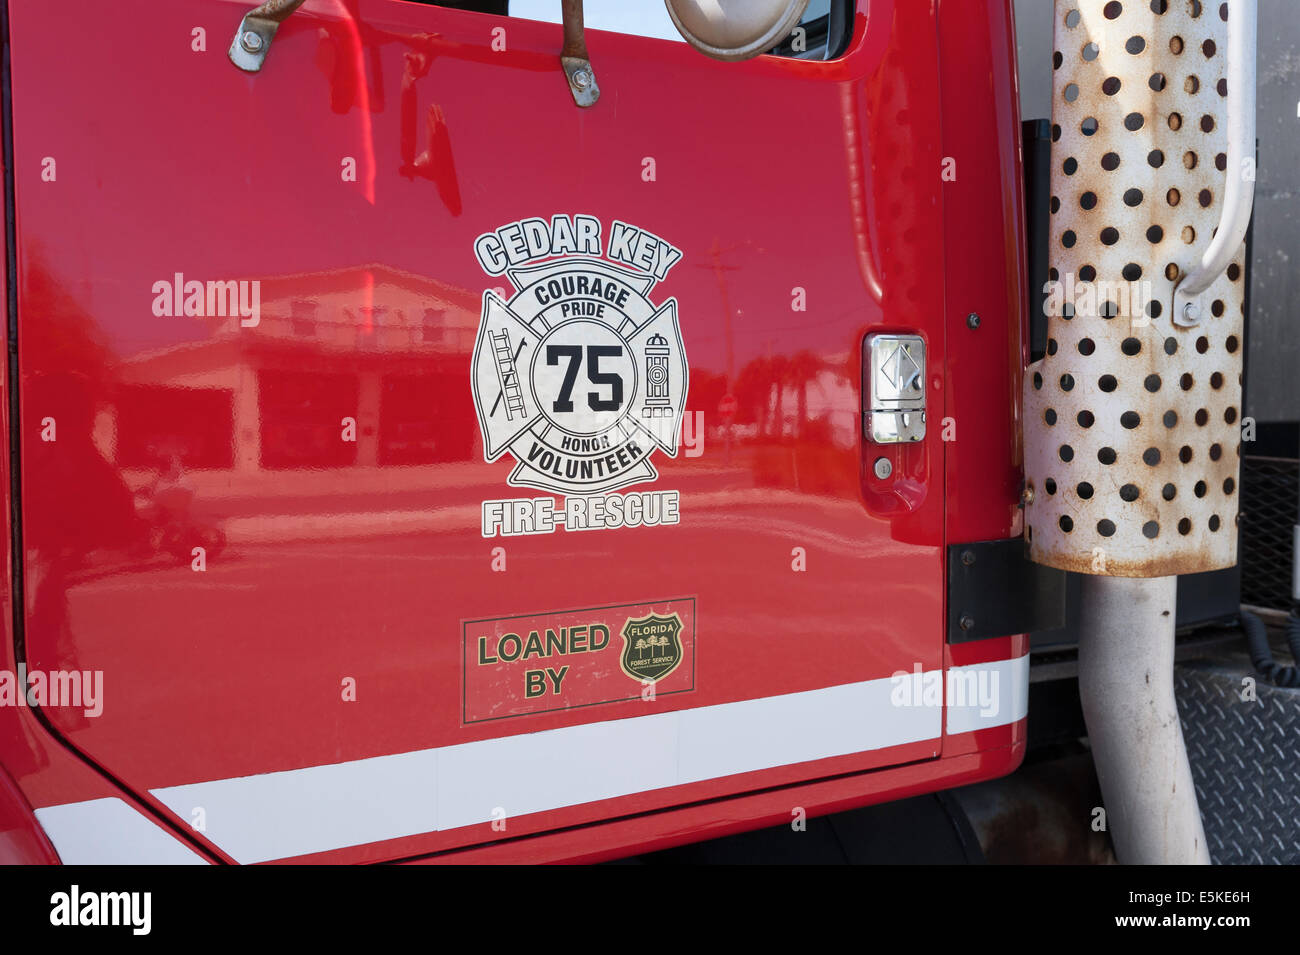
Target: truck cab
<point>411,462</point>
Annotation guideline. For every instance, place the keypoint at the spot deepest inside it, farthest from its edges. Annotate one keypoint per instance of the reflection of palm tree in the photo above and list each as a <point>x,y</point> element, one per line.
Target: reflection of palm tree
<point>803,369</point>
<point>753,389</point>
<point>778,370</point>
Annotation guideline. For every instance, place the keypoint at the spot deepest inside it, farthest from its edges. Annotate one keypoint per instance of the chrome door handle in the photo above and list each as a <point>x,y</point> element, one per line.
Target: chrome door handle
<point>893,392</point>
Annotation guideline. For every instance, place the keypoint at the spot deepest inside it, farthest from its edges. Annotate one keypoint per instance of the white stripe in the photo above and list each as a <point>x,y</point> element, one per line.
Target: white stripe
<point>295,812</point>
<point>109,831</point>
<point>1008,683</point>
<point>578,764</point>
<point>298,811</point>
<point>769,732</point>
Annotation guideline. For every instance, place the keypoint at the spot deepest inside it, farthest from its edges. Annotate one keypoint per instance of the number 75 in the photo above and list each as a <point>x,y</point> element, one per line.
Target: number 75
<point>573,354</point>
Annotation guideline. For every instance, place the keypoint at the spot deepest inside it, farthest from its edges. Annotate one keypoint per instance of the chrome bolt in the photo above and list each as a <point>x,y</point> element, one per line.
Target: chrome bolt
<point>968,557</point>
<point>1190,312</point>
<point>972,320</point>
<point>1027,496</point>
<point>251,41</point>
<point>967,622</point>
<point>883,468</point>
<point>581,79</point>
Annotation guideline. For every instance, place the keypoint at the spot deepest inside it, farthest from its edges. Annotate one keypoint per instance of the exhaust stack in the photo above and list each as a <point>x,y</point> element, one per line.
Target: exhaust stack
<point>1132,420</point>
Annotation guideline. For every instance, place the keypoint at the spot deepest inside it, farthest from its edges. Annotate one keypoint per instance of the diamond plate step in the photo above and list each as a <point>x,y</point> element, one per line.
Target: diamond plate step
<point>1245,758</point>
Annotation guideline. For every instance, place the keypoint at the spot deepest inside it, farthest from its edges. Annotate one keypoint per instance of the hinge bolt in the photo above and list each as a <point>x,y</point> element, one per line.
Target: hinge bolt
<point>251,41</point>
<point>581,79</point>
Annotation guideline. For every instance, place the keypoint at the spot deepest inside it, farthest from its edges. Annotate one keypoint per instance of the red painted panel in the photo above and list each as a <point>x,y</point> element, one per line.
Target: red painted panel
<point>333,560</point>
<point>713,820</point>
<point>984,269</point>
<point>22,841</point>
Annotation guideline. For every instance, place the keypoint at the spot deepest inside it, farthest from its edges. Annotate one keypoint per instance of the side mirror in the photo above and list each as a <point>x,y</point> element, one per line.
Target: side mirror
<point>735,29</point>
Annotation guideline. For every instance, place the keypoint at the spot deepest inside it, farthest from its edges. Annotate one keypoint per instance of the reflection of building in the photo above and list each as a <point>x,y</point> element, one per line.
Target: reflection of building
<point>658,401</point>
<point>386,348</point>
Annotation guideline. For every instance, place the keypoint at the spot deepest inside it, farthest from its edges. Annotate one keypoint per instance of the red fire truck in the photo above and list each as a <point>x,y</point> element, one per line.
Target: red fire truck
<point>441,435</point>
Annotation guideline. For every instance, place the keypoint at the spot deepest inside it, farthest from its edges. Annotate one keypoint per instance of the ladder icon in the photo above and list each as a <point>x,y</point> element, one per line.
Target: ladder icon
<point>508,375</point>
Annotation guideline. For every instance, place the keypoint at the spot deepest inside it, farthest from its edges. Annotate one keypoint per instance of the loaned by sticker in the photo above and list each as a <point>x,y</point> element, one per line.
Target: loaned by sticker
<point>510,647</point>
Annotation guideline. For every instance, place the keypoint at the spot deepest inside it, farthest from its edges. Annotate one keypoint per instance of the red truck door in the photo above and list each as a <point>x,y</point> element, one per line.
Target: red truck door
<point>424,460</point>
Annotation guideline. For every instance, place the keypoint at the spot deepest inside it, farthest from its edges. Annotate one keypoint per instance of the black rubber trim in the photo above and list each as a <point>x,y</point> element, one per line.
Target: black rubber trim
<point>995,591</point>
<point>11,306</point>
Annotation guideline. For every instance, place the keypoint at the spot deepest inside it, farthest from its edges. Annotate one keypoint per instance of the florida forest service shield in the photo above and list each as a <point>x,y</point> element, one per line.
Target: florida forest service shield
<point>579,376</point>
<point>652,647</point>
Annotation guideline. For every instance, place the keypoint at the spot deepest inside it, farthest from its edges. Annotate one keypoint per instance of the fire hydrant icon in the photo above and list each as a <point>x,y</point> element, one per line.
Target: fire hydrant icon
<point>658,401</point>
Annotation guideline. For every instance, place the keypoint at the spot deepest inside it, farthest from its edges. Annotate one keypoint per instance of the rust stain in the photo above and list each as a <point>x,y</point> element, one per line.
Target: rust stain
<point>1132,423</point>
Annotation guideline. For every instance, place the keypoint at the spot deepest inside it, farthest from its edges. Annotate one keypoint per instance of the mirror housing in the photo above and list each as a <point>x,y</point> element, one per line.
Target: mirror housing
<point>735,29</point>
